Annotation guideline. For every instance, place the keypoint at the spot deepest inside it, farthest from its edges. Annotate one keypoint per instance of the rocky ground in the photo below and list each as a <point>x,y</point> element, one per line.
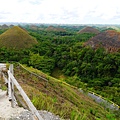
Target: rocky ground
<point>19,113</point>
<point>26,115</point>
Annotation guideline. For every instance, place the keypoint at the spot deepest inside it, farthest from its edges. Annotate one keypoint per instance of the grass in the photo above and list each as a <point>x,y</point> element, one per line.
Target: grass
<point>2,84</point>
<point>58,97</point>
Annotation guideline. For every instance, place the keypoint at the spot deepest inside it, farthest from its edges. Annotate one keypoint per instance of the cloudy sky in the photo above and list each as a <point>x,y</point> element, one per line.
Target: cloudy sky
<point>61,11</point>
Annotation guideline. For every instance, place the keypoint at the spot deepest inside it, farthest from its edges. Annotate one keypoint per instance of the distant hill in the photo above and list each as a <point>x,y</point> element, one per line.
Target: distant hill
<point>33,27</point>
<point>89,30</point>
<point>16,38</point>
<point>11,26</point>
<point>113,27</point>
<point>4,27</point>
<point>55,29</point>
<point>109,39</point>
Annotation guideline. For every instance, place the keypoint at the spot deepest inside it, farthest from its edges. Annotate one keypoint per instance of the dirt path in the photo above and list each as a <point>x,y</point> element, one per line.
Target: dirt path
<point>6,111</point>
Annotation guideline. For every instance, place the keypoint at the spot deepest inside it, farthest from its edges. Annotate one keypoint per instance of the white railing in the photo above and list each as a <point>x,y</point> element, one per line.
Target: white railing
<point>11,81</point>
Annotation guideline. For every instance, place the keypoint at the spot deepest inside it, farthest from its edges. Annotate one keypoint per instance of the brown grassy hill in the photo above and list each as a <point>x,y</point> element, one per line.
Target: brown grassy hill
<point>55,29</point>
<point>89,30</point>
<point>109,39</point>
<point>17,38</point>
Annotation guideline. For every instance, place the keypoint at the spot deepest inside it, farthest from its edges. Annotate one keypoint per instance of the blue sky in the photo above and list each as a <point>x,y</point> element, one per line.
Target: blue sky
<point>61,11</point>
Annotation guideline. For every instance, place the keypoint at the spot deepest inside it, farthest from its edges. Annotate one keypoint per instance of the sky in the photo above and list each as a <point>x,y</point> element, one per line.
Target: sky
<point>61,11</point>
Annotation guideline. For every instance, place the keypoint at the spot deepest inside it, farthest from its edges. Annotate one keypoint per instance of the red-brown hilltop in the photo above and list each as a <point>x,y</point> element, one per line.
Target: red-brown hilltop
<point>109,39</point>
<point>89,30</point>
<point>55,29</point>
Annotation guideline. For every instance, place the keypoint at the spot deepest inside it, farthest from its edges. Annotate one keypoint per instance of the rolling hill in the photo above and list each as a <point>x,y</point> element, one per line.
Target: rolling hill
<point>109,39</point>
<point>16,38</point>
<point>89,30</point>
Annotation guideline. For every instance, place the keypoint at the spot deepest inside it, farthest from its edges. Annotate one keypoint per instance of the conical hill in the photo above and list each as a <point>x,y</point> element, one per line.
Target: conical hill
<point>110,40</point>
<point>16,38</point>
<point>89,30</point>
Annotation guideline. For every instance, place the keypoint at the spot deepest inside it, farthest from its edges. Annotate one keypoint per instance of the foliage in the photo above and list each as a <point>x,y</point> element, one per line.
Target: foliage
<point>42,63</point>
<point>84,67</point>
<point>2,31</point>
<point>58,97</point>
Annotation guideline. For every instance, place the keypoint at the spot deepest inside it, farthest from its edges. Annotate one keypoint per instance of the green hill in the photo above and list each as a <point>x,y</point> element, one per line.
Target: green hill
<point>17,38</point>
<point>58,97</point>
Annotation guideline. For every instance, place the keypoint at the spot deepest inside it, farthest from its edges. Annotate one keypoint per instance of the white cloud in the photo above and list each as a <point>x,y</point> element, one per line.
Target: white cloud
<point>59,11</point>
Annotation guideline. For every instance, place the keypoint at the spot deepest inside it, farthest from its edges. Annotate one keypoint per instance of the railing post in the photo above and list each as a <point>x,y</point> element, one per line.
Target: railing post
<point>0,74</point>
<point>12,87</point>
<point>11,69</point>
<point>9,88</point>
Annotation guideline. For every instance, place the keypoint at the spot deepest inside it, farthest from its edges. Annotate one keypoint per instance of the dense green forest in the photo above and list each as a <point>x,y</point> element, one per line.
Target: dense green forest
<point>83,67</point>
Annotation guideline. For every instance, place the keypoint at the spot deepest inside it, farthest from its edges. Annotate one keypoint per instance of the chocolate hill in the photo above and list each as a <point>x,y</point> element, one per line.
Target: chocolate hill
<point>33,27</point>
<point>109,39</point>
<point>4,26</point>
<point>11,26</point>
<point>89,30</point>
<point>16,38</point>
<point>55,29</point>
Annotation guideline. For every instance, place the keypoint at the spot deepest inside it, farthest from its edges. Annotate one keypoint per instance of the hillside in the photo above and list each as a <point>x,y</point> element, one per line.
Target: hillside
<point>17,38</point>
<point>55,29</point>
<point>58,97</point>
<point>109,39</point>
<point>89,30</point>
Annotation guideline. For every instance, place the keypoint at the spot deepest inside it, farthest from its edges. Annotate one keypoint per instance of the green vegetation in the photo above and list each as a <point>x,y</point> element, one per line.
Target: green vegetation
<point>96,68</point>
<point>2,84</point>
<point>2,31</point>
<point>58,97</point>
<point>64,56</point>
